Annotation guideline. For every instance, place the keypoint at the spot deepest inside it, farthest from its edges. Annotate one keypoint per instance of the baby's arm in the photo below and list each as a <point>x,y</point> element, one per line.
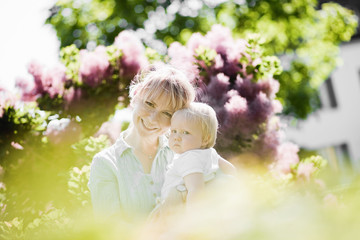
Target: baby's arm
<point>194,182</point>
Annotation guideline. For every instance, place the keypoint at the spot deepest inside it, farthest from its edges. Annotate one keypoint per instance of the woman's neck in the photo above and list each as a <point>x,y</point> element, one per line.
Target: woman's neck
<point>147,144</point>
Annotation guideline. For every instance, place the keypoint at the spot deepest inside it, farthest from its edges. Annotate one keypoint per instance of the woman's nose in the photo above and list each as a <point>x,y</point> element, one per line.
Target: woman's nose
<point>154,116</point>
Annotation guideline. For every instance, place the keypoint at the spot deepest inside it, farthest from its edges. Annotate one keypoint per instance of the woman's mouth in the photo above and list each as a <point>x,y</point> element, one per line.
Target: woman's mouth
<point>149,128</point>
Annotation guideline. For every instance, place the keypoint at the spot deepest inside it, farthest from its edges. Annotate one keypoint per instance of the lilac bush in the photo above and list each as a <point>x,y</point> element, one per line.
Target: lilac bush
<point>233,75</point>
<point>83,74</point>
<point>236,78</point>
<point>16,121</point>
<point>94,66</point>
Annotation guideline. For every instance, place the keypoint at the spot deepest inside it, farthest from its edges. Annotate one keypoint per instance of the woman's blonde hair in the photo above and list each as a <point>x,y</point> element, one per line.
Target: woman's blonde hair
<point>205,117</point>
<point>161,79</point>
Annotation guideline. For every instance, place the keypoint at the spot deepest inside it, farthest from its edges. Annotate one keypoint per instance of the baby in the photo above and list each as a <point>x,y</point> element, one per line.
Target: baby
<point>193,135</point>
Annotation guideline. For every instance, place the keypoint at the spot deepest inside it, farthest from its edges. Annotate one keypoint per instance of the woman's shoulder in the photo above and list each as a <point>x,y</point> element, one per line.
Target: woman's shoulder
<point>111,154</point>
<point>105,155</point>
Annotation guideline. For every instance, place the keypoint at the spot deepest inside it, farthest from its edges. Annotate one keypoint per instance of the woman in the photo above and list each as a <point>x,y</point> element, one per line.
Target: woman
<point>126,178</point>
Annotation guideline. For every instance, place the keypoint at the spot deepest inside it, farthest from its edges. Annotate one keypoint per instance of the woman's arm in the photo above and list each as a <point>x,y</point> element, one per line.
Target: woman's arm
<point>194,182</point>
<point>226,167</point>
<point>104,188</point>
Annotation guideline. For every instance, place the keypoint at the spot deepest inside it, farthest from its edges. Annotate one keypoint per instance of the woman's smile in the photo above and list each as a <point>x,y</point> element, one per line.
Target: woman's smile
<point>148,126</point>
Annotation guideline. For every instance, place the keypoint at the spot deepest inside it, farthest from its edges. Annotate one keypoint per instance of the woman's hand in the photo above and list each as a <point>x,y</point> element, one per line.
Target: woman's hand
<point>226,167</point>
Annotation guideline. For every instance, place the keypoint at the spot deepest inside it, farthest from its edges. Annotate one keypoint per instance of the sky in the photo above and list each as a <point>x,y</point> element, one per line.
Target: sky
<point>25,37</point>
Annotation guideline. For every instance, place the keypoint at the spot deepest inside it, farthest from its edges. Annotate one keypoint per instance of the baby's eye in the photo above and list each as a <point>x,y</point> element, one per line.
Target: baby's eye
<point>149,104</point>
<point>167,114</point>
<point>185,132</point>
<point>173,131</point>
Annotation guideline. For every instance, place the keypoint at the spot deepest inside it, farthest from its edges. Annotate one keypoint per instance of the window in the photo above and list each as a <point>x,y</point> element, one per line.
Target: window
<point>327,95</point>
<point>338,156</point>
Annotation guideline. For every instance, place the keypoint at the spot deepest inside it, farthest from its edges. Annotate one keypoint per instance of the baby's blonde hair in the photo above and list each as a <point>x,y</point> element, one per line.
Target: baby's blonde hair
<point>203,115</point>
<point>157,80</point>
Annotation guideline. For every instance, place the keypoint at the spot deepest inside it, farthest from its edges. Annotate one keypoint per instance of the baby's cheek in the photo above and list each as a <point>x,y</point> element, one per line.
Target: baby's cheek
<point>171,142</point>
<point>171,139</point>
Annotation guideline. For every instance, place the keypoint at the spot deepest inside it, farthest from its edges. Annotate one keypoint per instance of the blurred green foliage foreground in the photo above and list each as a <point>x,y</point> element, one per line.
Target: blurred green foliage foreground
<point>304,36</point>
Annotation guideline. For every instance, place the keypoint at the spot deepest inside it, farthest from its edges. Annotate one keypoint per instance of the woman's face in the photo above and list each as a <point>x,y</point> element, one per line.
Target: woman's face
<point>151,117</point>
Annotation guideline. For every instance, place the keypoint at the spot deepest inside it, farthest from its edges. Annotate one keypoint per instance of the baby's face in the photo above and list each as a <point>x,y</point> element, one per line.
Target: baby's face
<point>184,135</point>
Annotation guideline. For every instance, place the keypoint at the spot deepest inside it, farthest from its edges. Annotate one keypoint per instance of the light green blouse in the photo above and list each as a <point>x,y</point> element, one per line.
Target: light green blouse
<point>118,184</point>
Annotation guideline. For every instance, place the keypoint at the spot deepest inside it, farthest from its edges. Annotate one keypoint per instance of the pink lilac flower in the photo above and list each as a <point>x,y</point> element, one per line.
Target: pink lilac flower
<point>133,58</point>
<point>260,108</point>
<point>231,69</point>
<point>236,104</point>
<point>17,146</point>
<point>220,39</point>
<point>236,118</point>
<point>230,50</point>
<point>196,40</point>
<point>50,81</point>
<point>53,81</point>
<point>93,66</point>
<point>218,85</point>
<point>234,53</point>
<point>36,70</point>
<point>256,62</point>
<point>276,106</point>
<point>219,62</point>
<point>286,156</point>
<point>245,88</point>
<point>7,99</point>
<point>27,88</point>
<point>237,50</point>
<point>267,143</point>
<point>183,59</point>
<point>305,169</point>
<point>268,86</point>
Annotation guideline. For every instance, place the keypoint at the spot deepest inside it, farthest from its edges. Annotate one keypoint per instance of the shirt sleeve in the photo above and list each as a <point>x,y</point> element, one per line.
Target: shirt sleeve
<point>189,162</point>
<point>103,187</point>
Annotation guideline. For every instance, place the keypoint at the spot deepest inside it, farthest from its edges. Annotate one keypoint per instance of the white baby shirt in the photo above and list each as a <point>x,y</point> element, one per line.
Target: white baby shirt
<point>204,161</point>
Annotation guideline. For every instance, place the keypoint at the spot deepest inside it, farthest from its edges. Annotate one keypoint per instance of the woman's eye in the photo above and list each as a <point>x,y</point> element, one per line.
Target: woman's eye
<point>150,104</point>
<point>186,132</point>
<point>167,114</point>
<point>173,131</point>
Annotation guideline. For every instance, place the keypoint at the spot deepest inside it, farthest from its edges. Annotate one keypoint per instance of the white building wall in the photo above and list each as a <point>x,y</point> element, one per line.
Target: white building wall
<point>341,125</point>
